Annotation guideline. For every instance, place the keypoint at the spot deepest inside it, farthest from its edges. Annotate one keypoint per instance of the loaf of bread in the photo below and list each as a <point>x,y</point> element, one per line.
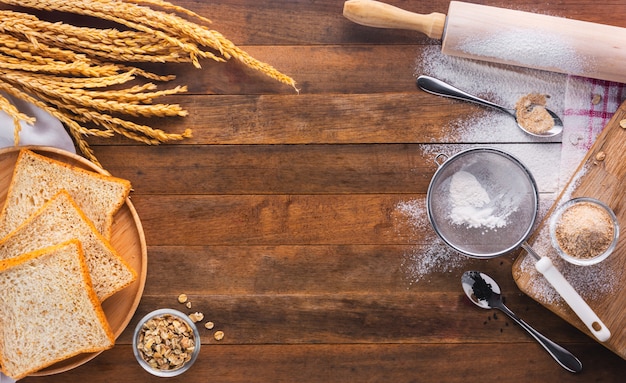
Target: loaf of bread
<point>60,220</point>
<point>36,179</point>
<point>49,310</point>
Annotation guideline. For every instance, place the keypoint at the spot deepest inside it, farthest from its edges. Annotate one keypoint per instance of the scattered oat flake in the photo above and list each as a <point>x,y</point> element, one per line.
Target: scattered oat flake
<point>596,99</point>
<point>622,123</point>
<point>209,325</point>
<point>196,317</point>
<point>182,298</point>
<point>600,156</point>
<point>219,335</point>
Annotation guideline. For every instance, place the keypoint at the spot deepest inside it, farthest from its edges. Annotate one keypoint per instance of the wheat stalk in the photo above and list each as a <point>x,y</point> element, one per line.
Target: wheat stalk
<point>67,70</point>
<point>16,116</point>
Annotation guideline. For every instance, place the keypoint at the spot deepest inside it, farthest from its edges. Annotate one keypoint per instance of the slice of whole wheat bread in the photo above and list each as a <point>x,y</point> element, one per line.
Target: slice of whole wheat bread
<point>49,311</point>
<point>59,220</point>
<point>37,178</point>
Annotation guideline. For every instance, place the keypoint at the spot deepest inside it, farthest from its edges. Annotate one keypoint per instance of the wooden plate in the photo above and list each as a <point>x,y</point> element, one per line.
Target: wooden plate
<point>127,238</point>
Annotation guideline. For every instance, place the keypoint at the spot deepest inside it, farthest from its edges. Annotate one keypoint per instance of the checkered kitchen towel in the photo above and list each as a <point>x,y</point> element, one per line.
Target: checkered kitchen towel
<point>588,107</point>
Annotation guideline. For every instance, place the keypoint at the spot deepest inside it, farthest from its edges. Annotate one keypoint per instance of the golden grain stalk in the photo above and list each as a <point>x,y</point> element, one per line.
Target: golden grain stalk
<point>68,70</point>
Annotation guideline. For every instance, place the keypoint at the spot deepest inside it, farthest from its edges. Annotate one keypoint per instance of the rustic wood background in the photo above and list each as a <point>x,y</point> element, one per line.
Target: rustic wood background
<point>279,217</point>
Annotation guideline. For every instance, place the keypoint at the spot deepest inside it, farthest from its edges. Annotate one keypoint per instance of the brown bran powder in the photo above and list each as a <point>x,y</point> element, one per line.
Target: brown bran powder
<point>532,114</point>
<point>584,231</point>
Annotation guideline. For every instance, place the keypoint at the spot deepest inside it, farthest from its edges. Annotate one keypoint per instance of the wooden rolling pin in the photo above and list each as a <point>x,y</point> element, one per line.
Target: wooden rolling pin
<point>510,37</point>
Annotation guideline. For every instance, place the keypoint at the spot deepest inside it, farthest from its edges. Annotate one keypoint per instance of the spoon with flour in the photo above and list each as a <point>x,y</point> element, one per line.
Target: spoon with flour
<point>530,113</point>
<point>484,292</point>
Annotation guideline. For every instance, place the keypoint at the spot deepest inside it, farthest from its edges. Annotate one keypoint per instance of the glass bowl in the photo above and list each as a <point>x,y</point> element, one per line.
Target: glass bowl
<point>154,318</point>
<point>580,231</point>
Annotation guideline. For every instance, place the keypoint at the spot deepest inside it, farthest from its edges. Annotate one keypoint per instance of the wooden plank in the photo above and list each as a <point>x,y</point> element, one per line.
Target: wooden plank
<point>334,219</point>
<point>453,363</point>
<point>603,180</point>
<point>392,117</point>
<point>296,22</point>
<point>301,169</point>
<point>304,22</point>
<point>315,118</point>
<point>344,318</point>
<point>285,270</point>
<point>327,69</point>
<point>321,269</point>
<point>268,220</point>
<point>272,169</point>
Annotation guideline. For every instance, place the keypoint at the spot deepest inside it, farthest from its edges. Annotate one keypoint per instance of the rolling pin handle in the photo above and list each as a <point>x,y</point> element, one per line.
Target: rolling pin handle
<point>373,13</point>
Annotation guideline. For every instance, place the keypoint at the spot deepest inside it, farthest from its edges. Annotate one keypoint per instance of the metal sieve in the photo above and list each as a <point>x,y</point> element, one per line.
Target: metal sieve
<point>512,203</point>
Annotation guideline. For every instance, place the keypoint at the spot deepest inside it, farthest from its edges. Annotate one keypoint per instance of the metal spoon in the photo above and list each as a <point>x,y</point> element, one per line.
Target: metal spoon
<point>440,88</point>
<point>485,293</point>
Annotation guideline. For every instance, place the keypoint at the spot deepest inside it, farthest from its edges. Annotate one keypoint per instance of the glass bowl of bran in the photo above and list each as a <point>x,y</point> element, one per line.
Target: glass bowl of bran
<point>584,231</point>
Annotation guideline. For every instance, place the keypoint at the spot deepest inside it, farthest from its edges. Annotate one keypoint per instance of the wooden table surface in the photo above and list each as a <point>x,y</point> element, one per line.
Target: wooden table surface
<point>280,218</point>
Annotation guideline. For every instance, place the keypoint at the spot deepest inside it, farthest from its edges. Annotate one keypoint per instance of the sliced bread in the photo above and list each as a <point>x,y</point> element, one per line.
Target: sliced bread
<point>48,310</point>
<point>59,220</point>
<point>37,178</point>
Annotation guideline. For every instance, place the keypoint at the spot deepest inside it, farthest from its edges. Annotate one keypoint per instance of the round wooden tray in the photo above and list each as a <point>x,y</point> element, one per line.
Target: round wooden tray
<point>127,238</point>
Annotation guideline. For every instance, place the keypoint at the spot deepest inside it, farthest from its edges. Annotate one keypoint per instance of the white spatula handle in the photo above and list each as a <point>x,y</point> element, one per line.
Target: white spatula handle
<point>381,15</point>
<point>575,301</point>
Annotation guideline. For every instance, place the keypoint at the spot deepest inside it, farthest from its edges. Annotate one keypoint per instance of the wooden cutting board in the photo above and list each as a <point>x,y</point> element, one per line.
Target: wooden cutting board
<point>602,175</point>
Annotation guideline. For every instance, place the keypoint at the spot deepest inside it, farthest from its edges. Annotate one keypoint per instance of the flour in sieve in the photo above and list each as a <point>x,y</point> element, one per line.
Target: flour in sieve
<point>471,205</point>
<point>465,190</point>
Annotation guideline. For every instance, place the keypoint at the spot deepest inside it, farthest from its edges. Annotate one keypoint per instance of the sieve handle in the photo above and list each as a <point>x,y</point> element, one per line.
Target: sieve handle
<point>440,159</point>
<point>575,301</point>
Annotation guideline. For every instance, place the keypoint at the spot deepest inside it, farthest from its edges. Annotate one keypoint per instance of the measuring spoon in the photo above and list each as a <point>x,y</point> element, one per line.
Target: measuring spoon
<point>485,293</point>
<point>440,88</point>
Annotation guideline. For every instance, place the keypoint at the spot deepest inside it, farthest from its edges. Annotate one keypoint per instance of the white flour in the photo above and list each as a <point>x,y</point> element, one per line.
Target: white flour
<point>436,256</point>
<point>465,190</point>
<point>470,203</point>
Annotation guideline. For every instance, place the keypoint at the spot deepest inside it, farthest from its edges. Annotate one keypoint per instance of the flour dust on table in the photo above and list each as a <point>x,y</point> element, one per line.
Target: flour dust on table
<point>432,257</point>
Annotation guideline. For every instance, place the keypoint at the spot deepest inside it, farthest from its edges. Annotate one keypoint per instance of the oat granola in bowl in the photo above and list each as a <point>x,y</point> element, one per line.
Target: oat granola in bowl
<point>166,342</point>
